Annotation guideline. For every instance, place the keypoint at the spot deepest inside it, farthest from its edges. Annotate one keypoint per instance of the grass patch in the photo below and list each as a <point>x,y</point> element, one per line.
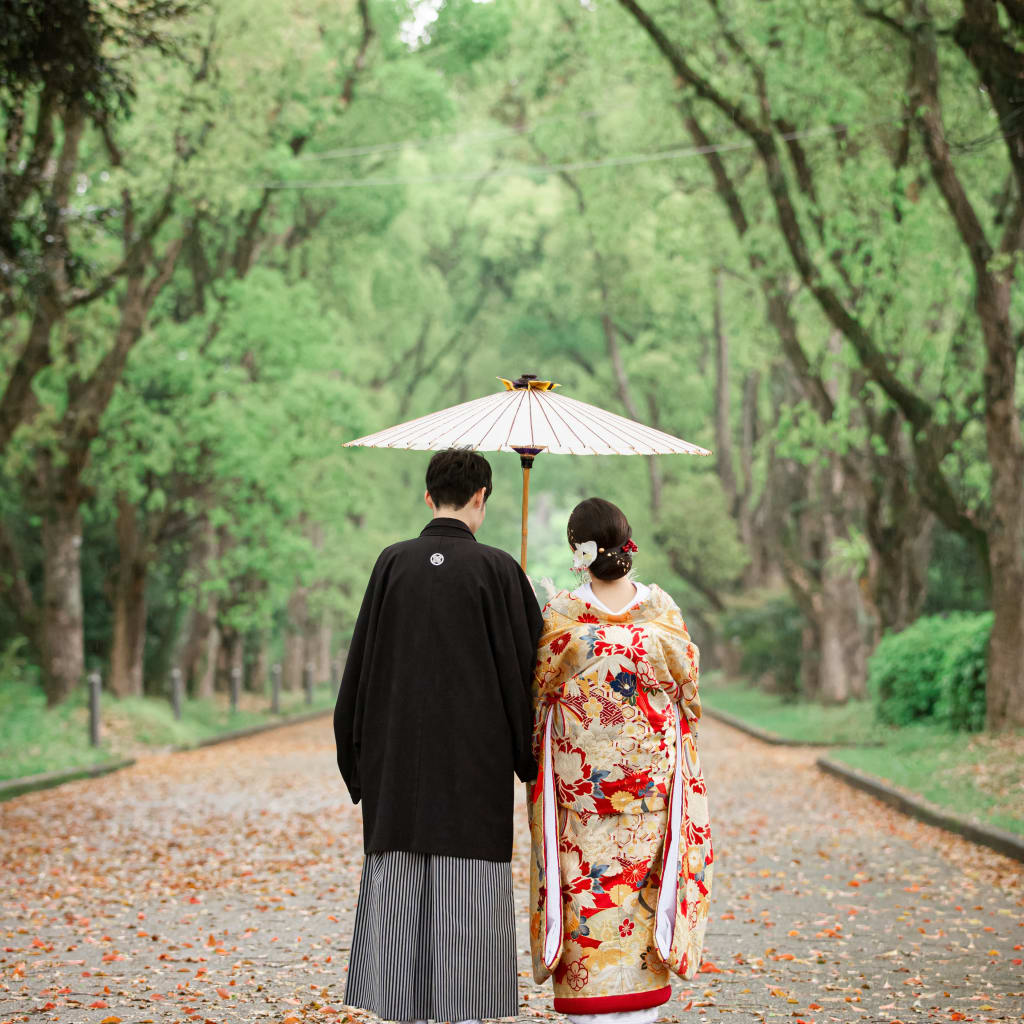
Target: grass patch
<point>978,775</point>
<point>850,724</point>
<point>35,739</point>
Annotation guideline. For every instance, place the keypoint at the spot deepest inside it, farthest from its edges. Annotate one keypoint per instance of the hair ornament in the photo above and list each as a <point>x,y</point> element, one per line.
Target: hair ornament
<point>583,554</point>
<point>629,547</point>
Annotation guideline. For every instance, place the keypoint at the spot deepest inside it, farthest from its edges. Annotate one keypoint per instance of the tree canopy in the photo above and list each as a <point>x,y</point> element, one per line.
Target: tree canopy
<point>233,236</point>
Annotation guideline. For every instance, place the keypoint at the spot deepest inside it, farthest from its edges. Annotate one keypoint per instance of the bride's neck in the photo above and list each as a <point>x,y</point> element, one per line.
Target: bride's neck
<point>613,593</point>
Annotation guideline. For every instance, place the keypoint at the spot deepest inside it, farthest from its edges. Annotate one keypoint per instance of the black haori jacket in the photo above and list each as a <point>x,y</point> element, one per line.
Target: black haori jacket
<point>434,711</point>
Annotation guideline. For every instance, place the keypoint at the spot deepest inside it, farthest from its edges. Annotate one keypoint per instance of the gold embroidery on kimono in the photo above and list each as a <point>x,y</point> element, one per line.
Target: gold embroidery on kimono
<point>621,863</point>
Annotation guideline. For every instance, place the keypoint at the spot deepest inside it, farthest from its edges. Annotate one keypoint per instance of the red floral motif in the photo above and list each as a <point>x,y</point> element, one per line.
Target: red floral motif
<point>632,874</point>
<point>626,928</point>
<point>691,654</point>
<point>560,642</point>
<point>587,617</point>
<point>697,835</point>
<point>577,975</point>
<point>633,649</point>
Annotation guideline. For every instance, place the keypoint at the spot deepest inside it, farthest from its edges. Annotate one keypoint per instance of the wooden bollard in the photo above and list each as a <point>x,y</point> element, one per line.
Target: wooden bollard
<point>95,686</point>
<point>275,689</point>
<point>236,686</point>
<point>177,692</point>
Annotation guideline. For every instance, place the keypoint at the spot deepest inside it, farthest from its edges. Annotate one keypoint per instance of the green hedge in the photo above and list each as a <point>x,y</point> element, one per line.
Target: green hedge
<point>769,634</point>
<point>935,670</point>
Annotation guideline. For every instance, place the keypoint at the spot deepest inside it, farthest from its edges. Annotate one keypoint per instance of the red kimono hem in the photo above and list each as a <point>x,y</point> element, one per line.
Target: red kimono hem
<point>615,1004</point>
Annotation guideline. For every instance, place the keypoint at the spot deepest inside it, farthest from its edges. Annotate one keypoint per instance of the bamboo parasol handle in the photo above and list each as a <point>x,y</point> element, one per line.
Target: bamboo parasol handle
<point>526,461</point>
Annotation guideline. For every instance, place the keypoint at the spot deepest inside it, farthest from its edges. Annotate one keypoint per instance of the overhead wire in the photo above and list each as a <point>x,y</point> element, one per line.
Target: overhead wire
<point>452,139</point>
<point>629,159</point>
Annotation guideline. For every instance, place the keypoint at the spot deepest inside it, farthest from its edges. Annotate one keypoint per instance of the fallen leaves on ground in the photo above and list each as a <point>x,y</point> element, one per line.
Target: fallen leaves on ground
<point>218,887</point>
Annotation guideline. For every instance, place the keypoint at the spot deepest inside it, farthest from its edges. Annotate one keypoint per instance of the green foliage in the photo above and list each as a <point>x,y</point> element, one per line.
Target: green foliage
<point>77,49</point>
<point>961,704</point>
<point>35,740</point>
<point>696,530</point>
<point>429,247</point>
<point>768,630</point>
<point>956,576</point>
<point>38,739</point>
<point>904,673</point>
<point>933,670</point>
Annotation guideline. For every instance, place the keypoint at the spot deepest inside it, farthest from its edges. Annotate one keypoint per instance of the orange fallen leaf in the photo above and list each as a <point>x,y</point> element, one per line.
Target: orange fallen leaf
<point>111,1020</point>
<point>99,1005</point>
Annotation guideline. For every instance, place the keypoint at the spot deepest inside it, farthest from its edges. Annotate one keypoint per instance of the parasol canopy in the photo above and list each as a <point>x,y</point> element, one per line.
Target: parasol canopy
<point>528,418</point>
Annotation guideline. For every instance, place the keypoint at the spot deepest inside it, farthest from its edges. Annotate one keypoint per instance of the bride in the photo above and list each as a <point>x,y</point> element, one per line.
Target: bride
<point>622,858</point>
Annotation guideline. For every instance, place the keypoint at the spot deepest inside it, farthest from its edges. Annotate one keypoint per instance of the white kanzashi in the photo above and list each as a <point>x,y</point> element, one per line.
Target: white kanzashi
<point>583,554</point>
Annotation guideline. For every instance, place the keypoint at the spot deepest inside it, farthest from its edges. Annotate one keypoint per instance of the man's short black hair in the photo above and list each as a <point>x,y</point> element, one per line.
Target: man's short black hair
<point>455,475</point>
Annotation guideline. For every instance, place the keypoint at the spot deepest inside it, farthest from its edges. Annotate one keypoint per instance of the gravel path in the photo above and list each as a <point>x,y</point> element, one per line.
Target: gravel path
<point>218,886</point>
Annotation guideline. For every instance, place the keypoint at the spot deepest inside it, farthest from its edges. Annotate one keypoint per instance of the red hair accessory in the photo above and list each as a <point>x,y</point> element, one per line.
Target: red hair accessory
<point>629,547</point>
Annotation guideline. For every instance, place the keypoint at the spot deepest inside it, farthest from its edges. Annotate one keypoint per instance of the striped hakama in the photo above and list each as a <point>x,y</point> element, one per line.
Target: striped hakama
<point>434,939</point>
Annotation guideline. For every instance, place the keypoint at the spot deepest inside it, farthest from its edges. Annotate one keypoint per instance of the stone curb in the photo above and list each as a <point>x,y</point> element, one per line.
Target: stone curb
<point>254,730</point>
<point>759,734</point>
<point>1006,843</point>
<point>10,788</point>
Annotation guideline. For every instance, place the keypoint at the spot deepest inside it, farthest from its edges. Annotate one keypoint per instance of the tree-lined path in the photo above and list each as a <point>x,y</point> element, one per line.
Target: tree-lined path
<point>219,886</point>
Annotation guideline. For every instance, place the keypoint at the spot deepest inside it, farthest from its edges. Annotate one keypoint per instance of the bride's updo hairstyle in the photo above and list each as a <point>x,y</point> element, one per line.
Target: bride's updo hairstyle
<point>604,523</point>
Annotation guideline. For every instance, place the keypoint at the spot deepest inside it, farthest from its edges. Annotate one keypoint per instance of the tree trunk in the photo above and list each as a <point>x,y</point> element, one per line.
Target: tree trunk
<point>841,612</point>
<point>295,640</point>
<point>260,669</point>
<point>209,654</point>
<point>843,666</point>
<point>322,659</point>
<point>63,629</point>
<point>129,643</point>
<point>1005,689</point>
<point>810,662</point>
<point>199,654</point>
<point>993,272</point>
<point>723,426</point>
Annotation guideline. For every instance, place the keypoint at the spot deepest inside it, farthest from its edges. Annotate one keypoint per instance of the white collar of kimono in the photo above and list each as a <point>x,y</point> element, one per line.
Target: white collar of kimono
<point>586,593</point>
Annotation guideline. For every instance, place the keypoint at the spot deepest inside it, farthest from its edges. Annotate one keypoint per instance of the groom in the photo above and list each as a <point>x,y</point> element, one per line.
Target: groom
<point>433,717</point>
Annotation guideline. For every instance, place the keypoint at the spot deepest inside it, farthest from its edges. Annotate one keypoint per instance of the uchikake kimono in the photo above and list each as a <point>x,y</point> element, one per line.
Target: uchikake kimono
<point>621,859</point>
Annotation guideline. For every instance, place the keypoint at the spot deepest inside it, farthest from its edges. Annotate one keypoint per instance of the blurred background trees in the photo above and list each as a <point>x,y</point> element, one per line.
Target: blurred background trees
<point>233,236</point>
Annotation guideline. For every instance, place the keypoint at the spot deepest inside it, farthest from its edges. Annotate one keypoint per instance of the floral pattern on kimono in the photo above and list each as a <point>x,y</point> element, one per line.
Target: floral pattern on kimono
<point>616,703</point>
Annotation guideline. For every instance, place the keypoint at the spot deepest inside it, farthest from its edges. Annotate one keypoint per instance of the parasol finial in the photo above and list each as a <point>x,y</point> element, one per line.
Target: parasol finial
<point>528,382</point>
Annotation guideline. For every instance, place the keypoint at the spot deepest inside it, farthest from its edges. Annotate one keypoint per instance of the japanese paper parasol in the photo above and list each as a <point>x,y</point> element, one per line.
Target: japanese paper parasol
<point>528,418</point>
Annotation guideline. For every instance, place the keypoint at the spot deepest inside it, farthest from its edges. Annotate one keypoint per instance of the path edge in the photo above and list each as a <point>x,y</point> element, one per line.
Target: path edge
<point>11,788</point>
<point>253,730</point>
<point>1000,840</point>
<point>760,734</point>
